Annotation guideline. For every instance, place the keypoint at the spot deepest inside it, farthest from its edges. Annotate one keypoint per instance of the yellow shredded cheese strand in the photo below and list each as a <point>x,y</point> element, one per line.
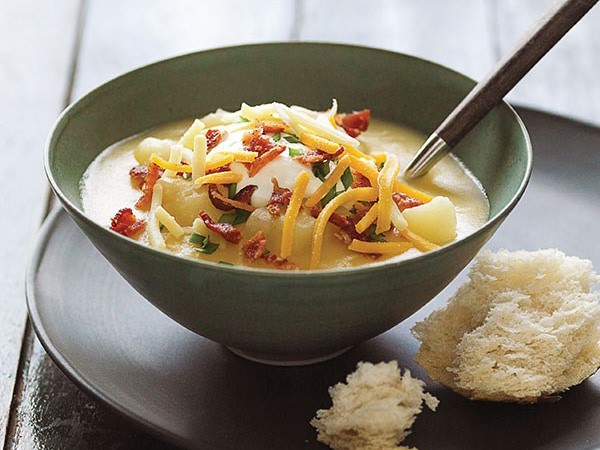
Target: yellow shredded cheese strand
<point>174,158</point>
<point>412,192</point>
<point>379,158</point>
<point>164,164</point>
<point>218,160</point>
<point>364,167</point>
<point>366,193</point>
<point>154,235</point>
<point>329,182</point>
<point>289,222</point>
<point>315,142</point>
<point>168,221</point>
<point>294,118</point>
<point>220,178</point>
<point>242,155</point>
<point>397,218</point>
<point>187,139</point>
<point>199,156</point>
<point>386,180</point>
<point>420,242</point>
<point>379,247</point>
<point>350,150</point>
<point>367,219</point>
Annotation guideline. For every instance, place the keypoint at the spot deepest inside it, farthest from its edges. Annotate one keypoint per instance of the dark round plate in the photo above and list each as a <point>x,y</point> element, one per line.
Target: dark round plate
<point>194,392</point>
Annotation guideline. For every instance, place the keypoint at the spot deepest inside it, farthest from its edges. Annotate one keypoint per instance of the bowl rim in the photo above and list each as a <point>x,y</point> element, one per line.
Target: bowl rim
<point>87,98</point>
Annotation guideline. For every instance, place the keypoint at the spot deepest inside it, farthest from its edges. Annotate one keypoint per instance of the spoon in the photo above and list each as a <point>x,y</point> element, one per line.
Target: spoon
<point>503,77</point>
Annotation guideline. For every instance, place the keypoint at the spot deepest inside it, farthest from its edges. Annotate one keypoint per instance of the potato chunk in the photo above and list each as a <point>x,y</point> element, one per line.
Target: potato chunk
<point>435,221</point>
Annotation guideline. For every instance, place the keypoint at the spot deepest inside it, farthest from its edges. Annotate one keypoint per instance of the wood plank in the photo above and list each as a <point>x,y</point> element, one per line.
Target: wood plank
<point>121,36</point>
<point>36,39</point>
<point>456,34</point>
<point>566,80</point>
<point>55,414</point>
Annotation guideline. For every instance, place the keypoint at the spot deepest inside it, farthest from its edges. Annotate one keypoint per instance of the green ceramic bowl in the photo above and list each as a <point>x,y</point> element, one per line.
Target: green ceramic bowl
<point>274,316</point>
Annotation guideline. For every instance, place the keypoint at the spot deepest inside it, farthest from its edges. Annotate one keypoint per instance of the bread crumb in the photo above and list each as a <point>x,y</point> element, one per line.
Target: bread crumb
<point>523,328</point>
<point>374,410</point>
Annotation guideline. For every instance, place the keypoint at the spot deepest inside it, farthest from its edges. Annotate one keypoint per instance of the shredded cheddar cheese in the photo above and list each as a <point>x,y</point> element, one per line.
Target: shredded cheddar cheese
<point>218,160</point>
<point>397,218</point>
<point>154,235</point>
<point>353,151</point>
<point>187,140</point>
<point>315,142</point>
<point>174,158</point>
<point>368,219</point>
<point>329,182</point>
<point>379,247</point>
<point>242,155</point>
<point>174,168</point>
<point>199,156</point>
<point>386,180</point>
<point>289,222</point>
<point>352,195</point>
<point>220,178</point>
<point>366,168</point>
<point>419,242</point>
<point>379,158</point>
<point>168,221</point>
<point>412,192</point>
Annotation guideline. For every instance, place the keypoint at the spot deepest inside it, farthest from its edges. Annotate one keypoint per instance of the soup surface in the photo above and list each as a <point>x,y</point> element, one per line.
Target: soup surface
<point>280,187</point>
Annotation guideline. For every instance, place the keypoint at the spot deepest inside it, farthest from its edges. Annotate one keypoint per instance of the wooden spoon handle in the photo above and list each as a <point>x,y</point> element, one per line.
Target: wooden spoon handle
<point>509,71</point>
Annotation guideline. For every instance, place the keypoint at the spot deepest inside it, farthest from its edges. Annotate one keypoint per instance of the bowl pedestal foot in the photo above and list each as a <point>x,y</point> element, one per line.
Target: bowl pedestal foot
<point>287,360</point>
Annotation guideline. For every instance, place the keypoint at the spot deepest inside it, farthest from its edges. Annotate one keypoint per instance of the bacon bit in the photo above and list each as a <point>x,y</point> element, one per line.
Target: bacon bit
<point>154,173</point>
<point>225,168</point>
<point>213,137</point>
<point>255,247</point>
<point>216,198</point>
<point>405,201</point>
<point>354,124</point>
<point>269,126</point>
<point>359,180</point>
<point>279,199</point>
<point>139,174</point>
<point>255,141</point>
<point>125,223</point>
<point>346,225</point>
<point>316,156</point>
<point>279,263</point>
<point>228,231</point>
<point>245,194</point>
<point>264,159</point>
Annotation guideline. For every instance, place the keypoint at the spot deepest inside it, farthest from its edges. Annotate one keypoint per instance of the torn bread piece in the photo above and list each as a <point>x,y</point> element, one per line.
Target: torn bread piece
<point>524,328</point>
<point>373,410</point>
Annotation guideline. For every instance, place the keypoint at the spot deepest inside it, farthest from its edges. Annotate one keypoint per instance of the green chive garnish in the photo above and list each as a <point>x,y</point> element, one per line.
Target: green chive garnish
<point>333,193</point>
<point>232,190</point>
<point>243,119</point>
<point>347,178</point>
<point>197,239</point>
<point>276,137</point>
<point>239,216</point>
<point>374,237</point>
<point>292,139</point>
<point>205,246</point>
<point>321,170</point>
<point>295,151</point>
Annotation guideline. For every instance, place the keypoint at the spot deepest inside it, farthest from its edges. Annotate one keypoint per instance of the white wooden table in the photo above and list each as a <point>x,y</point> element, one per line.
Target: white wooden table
<point>53,52</point>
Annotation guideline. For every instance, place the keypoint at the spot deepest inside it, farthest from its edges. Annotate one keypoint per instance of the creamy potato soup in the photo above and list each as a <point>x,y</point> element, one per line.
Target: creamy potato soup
<point>272,186</point>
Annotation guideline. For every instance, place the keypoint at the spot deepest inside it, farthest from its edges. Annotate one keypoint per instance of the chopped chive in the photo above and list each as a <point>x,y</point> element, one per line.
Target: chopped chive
<point>330,196</point>
<point>292,139</point>
<point>197,239</point>
<point>239,216</point>
<point>374,237</point>
<point>225,263</point>
<point>243,119</point>
<point>161,227</point>
<point>276,137</point>
<point>321,170</point>
<point>208,248</point>
<point>347,178</point>
<point>353,210</point>
<point>295,151</point>
<point>266,252</point>
<point>227,218</point>
<point>232,190</point>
